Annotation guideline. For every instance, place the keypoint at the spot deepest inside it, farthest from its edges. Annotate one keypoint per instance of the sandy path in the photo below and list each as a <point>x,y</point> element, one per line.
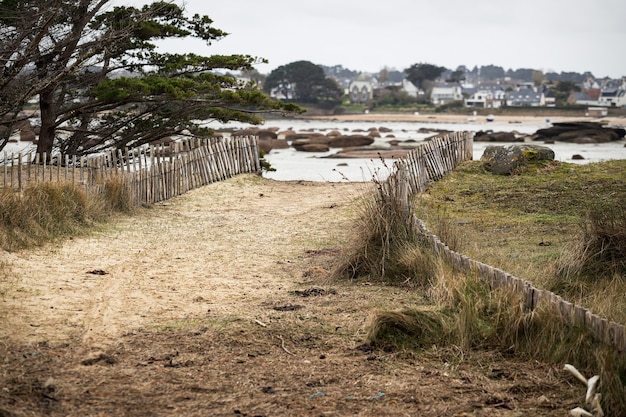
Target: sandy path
<point>219,248</point>
<point>195,314</point>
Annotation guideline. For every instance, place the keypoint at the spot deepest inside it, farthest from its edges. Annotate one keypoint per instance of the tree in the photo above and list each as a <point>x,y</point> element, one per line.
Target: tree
<point>303,82</point>
<point>491,72</point>
<point>563,90</point>
<point>72,57</point>
<point>538,77</point>
<point>418,73</point>
<point>523,74</point>
<point>456,76</point>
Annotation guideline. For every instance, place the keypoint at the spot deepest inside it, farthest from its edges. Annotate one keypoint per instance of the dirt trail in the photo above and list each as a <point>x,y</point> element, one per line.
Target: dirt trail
<point>202,306</point>
<point>218,246</point>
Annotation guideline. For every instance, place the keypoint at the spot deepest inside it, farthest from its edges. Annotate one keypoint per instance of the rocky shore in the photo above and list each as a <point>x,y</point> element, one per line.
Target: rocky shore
<point>375,142</point>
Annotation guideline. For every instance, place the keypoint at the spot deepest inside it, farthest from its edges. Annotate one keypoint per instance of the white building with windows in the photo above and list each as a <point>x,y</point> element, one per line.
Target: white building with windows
<point>488,97</point>
<point>446,93</point>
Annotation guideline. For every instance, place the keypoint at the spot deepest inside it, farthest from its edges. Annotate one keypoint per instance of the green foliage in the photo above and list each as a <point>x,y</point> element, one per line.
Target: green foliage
<point>304,82</point>
<point>266,166</point>
<point>456,76</point>
<point>88,104</point>
<point>418,73</point>
<point>393,97</point>
<point>452,106</point>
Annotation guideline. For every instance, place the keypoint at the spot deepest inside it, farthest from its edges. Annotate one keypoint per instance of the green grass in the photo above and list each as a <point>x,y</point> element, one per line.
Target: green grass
<point>526,223</point>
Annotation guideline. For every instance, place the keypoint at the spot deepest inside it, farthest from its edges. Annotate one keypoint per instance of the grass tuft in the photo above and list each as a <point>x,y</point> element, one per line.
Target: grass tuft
<point>600,247</point>
<point>49,211</point>
<point>385,245</point>
<point>118,195</point>
<point>406,329</point>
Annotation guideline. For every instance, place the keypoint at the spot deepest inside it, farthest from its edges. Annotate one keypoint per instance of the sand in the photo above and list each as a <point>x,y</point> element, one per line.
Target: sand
<point>219,303</point>
<point>464,118</point>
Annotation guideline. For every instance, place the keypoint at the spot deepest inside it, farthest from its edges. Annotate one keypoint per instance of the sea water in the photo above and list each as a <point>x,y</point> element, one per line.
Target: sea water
<point>292,165</point>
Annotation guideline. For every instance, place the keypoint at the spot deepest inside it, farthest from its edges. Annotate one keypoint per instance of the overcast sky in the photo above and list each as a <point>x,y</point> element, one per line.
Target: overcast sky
<point>549,35</point>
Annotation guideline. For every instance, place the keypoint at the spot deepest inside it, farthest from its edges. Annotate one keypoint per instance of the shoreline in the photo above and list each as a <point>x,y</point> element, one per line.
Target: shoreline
<point>461,118</point>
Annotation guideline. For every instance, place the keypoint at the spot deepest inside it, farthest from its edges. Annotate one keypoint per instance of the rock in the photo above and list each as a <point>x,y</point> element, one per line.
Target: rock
<point>285,134</point>
<point>291,135</point>
<point>496,137</point>
<point>350,141</point>
<point>266,145</point>
<point>578,157</point>
<point>580,132</point>
<point>314,147</point>
<point>266,134</point>
<point>27,136</point>
<point>246,132</point>
<point>255,131</point>
<point>299,144</point>
<point>371,153</point>
<point>504,160</point>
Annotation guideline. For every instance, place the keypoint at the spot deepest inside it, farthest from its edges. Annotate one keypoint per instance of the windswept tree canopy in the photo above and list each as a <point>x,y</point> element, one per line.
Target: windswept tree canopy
<point>418,73</point>
<point>101,81</point>
<point>303,82</point>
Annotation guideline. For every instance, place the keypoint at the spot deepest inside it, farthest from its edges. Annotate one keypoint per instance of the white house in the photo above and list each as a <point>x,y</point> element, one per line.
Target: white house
<point>446,93</point>
<point>489,97</point>
<point>410,88</point>
<point>612,97</point>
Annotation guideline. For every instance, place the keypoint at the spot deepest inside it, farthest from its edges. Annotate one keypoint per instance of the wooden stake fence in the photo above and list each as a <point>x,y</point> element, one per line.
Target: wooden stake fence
<point>154,173</point>
<point>431,162</point>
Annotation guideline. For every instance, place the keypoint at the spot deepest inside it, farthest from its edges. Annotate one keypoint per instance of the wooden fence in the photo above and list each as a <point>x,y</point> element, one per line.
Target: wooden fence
<point>603,330</point>
<point>152,173</point>
<point>442,155</point>
<point>435,158</point>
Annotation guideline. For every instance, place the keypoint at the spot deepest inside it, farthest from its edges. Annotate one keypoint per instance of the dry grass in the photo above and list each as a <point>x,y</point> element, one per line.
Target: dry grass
<point>48,211</point>
<point>467,316</point>
<point>384,245</point>
<point>600,248</point>
<point>467,313</point>
<point>212,265</point>
<point>118,196</point>
<point>409,328</point>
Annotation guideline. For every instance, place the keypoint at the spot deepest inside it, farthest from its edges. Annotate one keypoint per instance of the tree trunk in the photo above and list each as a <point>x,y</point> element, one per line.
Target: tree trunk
<point>47,106</point>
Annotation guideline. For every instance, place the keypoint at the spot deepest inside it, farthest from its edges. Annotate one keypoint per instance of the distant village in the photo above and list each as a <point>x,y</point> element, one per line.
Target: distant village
<point>495,89</point>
